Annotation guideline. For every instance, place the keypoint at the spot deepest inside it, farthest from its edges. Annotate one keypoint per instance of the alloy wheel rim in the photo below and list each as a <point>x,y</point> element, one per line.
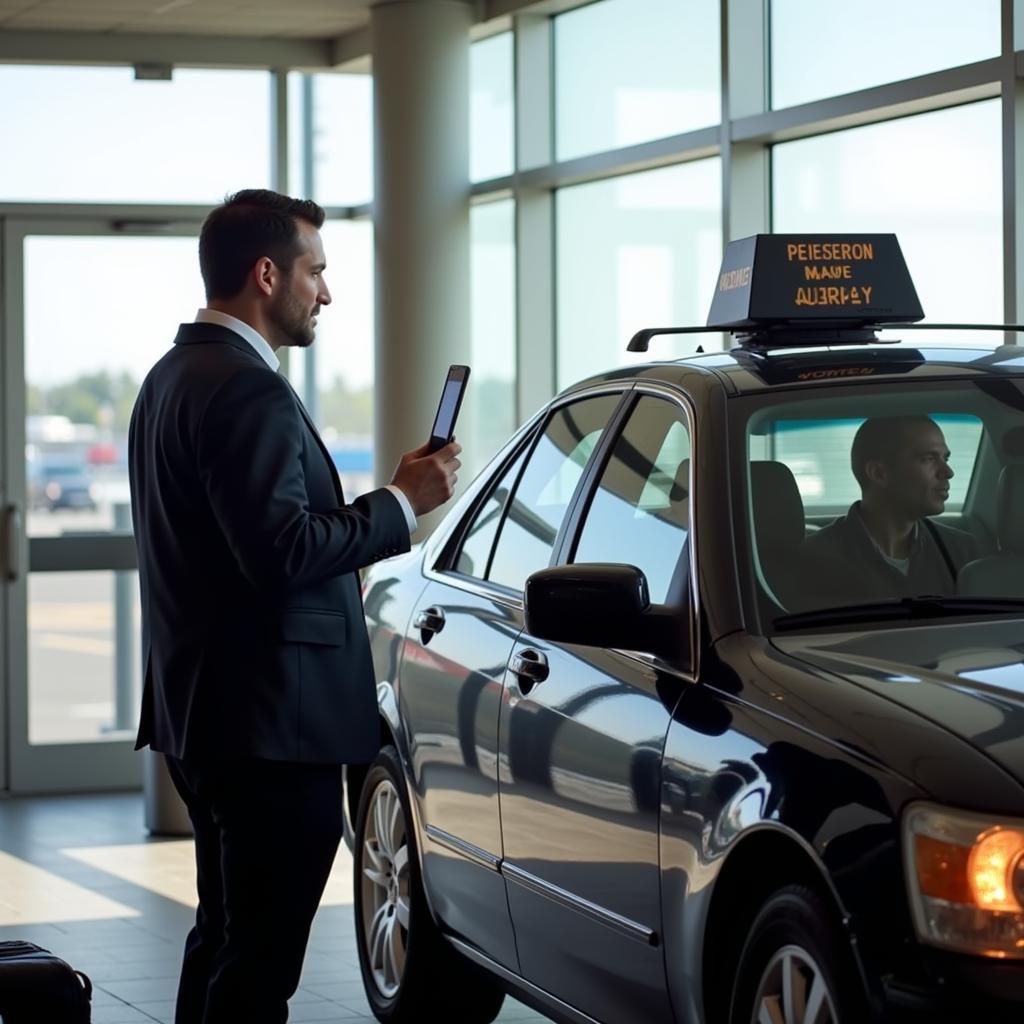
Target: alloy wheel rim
<point>385,889</point>
<point>793,990</point>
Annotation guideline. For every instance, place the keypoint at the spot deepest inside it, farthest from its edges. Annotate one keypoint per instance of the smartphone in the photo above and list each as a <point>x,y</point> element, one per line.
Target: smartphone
<point>448,408</point>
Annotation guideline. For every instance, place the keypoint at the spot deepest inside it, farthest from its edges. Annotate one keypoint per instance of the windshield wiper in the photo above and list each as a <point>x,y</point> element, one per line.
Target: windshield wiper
<point>925,606</point>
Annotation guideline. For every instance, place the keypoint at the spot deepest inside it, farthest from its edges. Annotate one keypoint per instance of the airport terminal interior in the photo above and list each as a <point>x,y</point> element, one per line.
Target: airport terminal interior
<point>515,185</point>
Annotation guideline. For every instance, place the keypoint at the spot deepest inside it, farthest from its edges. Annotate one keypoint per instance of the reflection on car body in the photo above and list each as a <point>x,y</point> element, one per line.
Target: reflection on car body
<point>643,760</point>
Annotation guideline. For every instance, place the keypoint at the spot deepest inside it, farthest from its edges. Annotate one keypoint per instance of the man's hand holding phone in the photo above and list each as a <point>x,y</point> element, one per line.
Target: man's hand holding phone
<point>428,478</point>
<point>427,475</point>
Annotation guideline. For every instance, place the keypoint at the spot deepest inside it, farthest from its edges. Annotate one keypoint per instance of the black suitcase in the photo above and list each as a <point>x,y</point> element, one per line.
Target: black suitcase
<point>36,986</point>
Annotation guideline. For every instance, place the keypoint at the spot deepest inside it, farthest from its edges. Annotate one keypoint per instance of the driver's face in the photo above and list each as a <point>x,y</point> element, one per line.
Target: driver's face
<point>917,474</point>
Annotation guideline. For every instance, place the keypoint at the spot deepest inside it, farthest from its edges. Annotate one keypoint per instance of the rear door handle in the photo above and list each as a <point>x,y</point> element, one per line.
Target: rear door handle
<point>429,621</point>
<point>529,667</point>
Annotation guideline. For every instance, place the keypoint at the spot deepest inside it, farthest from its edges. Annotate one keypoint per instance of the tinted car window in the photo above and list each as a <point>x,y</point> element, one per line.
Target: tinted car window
<point>923,515</point>
<point>476,548</point>
<point>639,514</point>
<point>555,466</point>
<point>817,451</point>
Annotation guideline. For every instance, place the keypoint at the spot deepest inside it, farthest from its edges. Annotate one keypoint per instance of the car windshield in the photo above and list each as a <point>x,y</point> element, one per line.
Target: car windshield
<point>883,501</point>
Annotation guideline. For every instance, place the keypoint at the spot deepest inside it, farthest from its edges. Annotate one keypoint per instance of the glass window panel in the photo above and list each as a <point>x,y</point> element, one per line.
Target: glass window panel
<point>643,250</point>
<point>344,352</point>
<point>476,548</point>
<point>342,139</point>
<point>874,42</point>
<point>95,134</point>
<point>490,107</point>
<point>491,397</point>
<point>84,665</point>
<point>628,71</point>
<point>935,180</point>
<point>85,358</point>
<point>640,512</point>
<point>531,524</point>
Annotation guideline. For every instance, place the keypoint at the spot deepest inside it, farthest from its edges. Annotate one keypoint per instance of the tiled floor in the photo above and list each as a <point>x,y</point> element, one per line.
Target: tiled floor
<point>79,876</point>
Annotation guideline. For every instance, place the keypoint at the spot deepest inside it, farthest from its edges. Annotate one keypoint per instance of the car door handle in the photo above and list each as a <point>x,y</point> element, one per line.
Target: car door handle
<point>530,667</point>
<point>430,620</point>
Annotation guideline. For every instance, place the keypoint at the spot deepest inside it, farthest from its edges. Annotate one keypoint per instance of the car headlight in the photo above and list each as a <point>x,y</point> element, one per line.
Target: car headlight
<point>965,876</point>
<point>54,490</point>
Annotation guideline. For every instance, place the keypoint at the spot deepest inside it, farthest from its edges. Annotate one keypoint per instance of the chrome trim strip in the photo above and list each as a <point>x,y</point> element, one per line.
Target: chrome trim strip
<point>526,991</point>
<point>462,848</point>
<point>623,925</point>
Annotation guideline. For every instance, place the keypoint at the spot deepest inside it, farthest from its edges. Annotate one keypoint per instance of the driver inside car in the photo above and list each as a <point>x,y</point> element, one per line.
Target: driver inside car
<point>887,547</point>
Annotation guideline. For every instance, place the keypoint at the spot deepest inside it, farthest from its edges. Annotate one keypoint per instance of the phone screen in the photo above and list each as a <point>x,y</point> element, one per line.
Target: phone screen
<point>448,407</point>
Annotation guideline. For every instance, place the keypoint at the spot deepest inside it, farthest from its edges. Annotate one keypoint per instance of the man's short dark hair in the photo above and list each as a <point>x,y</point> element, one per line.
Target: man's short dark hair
<point>877,437</point>
<point>247,226</point>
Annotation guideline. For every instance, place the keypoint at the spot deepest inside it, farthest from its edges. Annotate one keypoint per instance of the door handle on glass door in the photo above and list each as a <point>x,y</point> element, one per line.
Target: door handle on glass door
<point>11,537</point>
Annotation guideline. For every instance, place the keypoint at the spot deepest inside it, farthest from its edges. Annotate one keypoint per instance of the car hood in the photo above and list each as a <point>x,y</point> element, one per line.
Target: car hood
<point>965,677</point>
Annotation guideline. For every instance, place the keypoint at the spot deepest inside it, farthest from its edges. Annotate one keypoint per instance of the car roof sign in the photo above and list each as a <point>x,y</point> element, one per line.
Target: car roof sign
<point>818,280</point>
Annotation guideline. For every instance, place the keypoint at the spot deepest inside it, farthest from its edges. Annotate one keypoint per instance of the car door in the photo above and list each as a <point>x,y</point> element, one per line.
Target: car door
<point>581,737</point>
<point>456,652</point>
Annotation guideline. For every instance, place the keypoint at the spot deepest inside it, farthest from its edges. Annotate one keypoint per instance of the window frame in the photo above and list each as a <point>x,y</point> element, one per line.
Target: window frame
<point>443,567</point>
<point>577,516</point>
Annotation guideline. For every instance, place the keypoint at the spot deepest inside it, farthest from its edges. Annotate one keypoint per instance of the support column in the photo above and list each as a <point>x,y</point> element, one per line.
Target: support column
<point>420,51</point>
<point>1013,165</point>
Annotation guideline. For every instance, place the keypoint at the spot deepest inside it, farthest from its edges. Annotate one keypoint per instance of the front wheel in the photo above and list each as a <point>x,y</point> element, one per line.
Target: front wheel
<point>410,973</point>
<point>796,966</point>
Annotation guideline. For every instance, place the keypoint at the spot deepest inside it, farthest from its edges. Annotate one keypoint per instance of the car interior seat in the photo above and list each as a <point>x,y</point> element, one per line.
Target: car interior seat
<point>1001,574</point>
<point>779,528</point>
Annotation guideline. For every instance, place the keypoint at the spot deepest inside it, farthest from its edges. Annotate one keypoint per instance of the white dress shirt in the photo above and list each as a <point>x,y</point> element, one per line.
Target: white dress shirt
<point>267,354</point>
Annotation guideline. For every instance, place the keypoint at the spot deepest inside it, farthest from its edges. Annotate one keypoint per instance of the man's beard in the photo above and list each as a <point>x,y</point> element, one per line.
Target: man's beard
<point>292,321</point>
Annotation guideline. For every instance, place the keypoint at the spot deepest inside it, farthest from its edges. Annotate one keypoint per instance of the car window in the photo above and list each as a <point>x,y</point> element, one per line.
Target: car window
<point>817,452</point>
<point>640,512</point>
<point>532,519</point>
<point>880,493</point>
<point>479,539</point>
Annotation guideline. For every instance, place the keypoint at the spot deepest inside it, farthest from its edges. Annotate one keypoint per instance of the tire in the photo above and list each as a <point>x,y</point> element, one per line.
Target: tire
<point>796,938</point>
<point>410,972</point>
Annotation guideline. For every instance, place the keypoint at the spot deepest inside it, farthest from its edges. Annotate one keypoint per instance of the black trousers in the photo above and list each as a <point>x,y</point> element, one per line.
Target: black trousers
<point>266,834</point>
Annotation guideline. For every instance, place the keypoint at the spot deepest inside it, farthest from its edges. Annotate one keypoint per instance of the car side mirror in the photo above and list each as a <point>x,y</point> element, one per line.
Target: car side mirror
<point>601,605</point>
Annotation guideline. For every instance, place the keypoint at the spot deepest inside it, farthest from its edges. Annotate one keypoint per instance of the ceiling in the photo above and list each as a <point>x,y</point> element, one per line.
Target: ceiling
<point>272,19</point>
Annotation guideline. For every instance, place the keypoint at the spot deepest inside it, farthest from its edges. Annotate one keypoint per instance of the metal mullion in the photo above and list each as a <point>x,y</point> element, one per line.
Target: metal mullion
<point>1013,162</point>
<point>950,87</point>
<point>279,130</point>
<point>533,84</point>
<point>610,163</point>
<point>505,184</point>
<point>746,179</point>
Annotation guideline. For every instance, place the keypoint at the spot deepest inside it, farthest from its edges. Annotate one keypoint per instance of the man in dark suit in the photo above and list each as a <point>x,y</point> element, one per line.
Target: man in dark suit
<point>258,678</point>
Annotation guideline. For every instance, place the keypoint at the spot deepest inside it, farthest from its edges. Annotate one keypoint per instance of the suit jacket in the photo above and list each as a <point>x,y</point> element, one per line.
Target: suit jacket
<point>254,642</point>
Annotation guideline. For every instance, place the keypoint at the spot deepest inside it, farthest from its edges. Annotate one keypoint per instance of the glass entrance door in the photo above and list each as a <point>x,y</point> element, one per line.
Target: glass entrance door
<point>88,307</point>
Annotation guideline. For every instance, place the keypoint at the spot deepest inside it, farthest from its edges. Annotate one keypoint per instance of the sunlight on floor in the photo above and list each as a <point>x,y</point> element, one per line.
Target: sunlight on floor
<point>31,895</point>
<point>168,869</point>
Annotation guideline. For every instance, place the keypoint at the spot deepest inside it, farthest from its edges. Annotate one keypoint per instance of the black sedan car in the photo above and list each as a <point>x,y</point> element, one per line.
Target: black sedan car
<point>705,703</point>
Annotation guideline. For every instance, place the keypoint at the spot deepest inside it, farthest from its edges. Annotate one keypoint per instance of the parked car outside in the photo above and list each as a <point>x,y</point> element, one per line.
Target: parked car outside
<point>60,485</point>
<point>644,758</point>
